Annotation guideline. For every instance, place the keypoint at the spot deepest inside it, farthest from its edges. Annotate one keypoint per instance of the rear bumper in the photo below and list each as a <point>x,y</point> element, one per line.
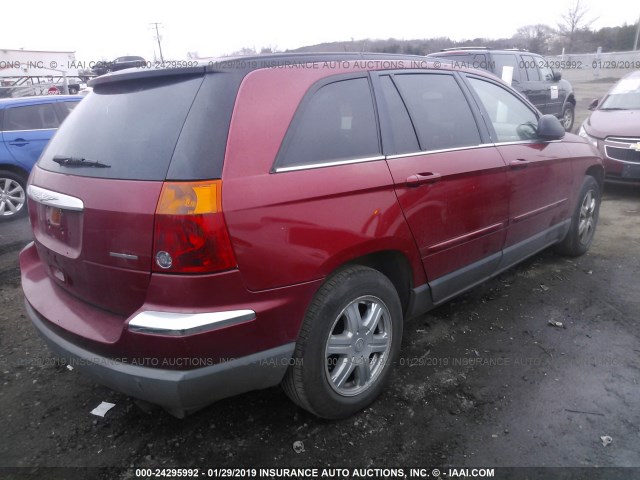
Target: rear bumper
<point>178,391</point>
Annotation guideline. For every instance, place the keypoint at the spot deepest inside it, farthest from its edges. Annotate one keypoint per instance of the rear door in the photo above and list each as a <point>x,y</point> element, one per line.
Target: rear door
<point>539,175</point>
<point>556,95</point>
<point>27,129</point>
<point>533,86</point>
<point>452,187</point>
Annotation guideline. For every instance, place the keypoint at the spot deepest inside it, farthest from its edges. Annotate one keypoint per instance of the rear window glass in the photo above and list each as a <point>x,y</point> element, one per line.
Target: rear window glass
<point>338,123</point>
<point>131,126</point>
<point>502,60</point>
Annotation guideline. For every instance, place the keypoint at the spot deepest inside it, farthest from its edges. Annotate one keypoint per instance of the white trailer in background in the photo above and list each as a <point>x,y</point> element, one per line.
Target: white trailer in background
<point>35,72</point>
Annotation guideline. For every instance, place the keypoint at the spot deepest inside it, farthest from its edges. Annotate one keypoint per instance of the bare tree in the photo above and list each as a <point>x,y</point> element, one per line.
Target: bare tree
<point>573,21</point>
<point>534,38</point>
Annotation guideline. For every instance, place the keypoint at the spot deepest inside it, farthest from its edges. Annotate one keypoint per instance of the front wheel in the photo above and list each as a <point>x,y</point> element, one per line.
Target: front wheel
<point>13,199</point>
<point>349,339</point>
<point>584,220</point>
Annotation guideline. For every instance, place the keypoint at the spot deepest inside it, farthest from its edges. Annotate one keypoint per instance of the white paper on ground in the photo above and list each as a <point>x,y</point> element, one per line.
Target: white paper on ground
<point>102,409</point>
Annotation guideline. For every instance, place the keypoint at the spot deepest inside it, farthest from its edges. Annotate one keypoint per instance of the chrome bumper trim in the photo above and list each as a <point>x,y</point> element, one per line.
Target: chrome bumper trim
<point>180,324</point>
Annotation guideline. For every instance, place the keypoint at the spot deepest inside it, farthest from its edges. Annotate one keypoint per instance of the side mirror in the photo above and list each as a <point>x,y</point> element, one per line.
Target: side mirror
<point>557,76</point>
<point>550,128</point>
<point>594,104</point>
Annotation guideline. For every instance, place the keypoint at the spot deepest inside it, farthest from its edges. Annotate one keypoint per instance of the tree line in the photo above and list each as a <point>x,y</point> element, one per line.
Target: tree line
<point>541,39</point>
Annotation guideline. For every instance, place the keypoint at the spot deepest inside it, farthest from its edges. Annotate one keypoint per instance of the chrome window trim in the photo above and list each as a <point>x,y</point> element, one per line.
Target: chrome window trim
<point>30,130</point>
<point>54,199</point>
<point>180,324</point>
<point>329,164</point>
<point>527,142</point>
<point>404,155</point>
<point>429,152</point>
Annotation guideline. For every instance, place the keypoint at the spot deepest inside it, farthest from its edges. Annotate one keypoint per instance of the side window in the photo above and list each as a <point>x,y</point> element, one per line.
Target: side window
<point>404,136</point>
<point>31,117</point>
<point>531,67</point>
<point>439,110</point>
<point>337,123</point>
<point>546,74</point>
<point>502,60</point>
<point>511,118</point>
<point>65,108</point>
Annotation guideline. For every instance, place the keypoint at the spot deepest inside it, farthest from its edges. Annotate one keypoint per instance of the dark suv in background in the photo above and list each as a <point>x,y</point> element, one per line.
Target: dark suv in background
<point>531,75</point>
<point>207,231</point>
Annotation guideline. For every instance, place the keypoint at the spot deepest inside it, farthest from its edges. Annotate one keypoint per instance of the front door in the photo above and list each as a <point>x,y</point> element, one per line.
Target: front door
<point>539,172</point>
<point>452,188</point>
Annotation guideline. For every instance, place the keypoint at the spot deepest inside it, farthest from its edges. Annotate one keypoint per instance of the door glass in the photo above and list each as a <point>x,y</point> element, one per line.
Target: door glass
<point>66,107</point>
<point>404,136</point>
<point>439,111</point>
<point>531,66</point>
<point>545,71</point>
<point>31,117</point>
<point>512,120</point>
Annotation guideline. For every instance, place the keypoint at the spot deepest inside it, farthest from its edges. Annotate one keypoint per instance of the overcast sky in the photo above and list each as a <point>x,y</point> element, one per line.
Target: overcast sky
<point>107,29</point>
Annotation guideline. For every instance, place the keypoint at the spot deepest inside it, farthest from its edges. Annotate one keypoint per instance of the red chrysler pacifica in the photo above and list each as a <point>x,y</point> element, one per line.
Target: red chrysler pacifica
<point>207,231</point>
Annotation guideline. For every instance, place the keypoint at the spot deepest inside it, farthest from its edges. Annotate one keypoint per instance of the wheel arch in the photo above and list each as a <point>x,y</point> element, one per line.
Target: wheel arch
<point>394,265</point>
<point>7,167</point>
<point>597,172</point>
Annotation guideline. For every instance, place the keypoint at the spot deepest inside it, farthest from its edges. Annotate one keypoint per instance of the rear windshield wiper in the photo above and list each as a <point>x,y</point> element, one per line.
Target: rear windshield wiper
<point>612,108</point>
<point>77,162</point>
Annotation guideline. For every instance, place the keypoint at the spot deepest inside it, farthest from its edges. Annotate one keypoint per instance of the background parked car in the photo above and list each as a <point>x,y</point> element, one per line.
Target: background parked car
<point>614,128</point>
<point>121,63</point>
<point>26,126</point>
<point>532,76</point>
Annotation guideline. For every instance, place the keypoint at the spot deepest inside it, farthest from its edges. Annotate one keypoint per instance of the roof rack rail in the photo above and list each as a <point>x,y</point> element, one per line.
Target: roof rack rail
<point>516,49</point>
<point>463,48</point>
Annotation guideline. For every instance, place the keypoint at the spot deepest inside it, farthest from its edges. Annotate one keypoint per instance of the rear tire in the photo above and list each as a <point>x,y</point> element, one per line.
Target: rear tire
<point>13,197</point>
<point>584,220</point>
<point>349,339</point>
<point>568,116</point>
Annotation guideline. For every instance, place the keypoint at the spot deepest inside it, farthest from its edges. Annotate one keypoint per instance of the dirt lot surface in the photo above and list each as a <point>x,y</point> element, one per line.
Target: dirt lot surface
<point>484,381</point>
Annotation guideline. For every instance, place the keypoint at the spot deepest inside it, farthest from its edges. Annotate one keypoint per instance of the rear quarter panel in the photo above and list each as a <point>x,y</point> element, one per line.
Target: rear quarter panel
<point>298,226</point>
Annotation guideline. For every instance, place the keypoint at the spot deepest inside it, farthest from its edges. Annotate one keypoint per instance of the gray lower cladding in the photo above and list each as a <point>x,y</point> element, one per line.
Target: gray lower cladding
<point>180,392</point>
<point>443,289</point>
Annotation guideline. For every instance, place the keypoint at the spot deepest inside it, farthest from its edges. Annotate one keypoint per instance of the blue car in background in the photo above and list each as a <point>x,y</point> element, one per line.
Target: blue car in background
<point>26,126</point>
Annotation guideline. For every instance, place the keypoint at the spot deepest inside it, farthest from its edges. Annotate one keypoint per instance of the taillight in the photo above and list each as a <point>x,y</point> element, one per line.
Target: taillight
<point>190,232</point>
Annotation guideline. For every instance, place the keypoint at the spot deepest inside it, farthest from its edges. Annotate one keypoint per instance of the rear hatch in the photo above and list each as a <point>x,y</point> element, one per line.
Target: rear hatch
<point>95,191</point>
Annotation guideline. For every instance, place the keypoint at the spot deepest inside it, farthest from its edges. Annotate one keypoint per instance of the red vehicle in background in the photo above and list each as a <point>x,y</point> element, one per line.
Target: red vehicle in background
<point>614,129</point>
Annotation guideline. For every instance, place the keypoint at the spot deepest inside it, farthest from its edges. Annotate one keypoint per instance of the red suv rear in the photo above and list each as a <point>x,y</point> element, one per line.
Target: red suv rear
<point>208,231</point>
